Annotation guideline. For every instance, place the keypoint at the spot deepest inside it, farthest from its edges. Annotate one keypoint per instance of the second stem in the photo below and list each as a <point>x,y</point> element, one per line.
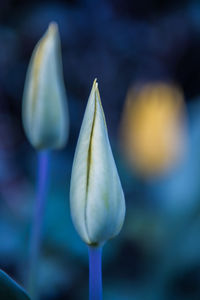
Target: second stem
<point>36,234</point>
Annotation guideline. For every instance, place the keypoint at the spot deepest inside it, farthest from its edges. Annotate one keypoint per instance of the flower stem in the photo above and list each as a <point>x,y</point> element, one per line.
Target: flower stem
<point>36,234</point>
<point>95,273</point>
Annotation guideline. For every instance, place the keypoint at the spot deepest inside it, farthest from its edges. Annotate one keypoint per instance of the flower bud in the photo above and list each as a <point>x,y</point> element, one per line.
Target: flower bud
<point>44,111</point>
<point>96,196</point>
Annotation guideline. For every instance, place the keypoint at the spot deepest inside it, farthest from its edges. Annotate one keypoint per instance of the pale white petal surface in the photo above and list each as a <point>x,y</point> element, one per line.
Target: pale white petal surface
<point>45,111</point>
<point>96,196</point>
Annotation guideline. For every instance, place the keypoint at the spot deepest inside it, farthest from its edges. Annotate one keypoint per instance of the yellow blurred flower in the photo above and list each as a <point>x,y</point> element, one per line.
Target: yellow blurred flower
<point>153,127</point>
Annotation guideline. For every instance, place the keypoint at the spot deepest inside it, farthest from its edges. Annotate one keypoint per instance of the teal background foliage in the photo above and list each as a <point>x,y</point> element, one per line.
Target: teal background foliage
<point>10,290</point>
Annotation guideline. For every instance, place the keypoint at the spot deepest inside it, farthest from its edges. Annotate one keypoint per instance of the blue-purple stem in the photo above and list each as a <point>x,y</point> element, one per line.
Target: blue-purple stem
<point>36,234</point>
<point>95,273</point>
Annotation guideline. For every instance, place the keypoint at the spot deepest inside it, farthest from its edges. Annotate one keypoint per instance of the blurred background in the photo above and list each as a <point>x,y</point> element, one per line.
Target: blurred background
<point>146,56</point>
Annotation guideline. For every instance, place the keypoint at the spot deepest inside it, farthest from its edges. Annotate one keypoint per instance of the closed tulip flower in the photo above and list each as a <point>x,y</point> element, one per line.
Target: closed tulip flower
<point>45,120</point>
<point>45,114</point>
<point>96,196</point>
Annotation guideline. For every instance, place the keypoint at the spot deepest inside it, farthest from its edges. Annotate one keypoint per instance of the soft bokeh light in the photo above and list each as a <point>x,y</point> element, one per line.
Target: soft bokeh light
<point>153,127</point>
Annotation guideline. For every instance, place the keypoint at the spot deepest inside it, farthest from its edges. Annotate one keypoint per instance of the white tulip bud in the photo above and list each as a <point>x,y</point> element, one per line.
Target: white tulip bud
<point>96,196</point>
<point>44,111</point>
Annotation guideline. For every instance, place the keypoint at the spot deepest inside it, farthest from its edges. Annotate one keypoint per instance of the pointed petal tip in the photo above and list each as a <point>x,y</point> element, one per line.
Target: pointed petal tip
<point>95,84</point>
<point>94,89</point>
<point>52,28</point>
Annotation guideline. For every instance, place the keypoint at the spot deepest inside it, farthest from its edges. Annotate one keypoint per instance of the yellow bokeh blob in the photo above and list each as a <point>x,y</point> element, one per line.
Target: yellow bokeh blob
<point>153,127</point>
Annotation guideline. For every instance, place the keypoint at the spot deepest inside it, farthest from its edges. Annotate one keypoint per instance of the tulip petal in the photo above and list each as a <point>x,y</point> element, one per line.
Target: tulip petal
<point>45,113</point>
<point>96,196</point>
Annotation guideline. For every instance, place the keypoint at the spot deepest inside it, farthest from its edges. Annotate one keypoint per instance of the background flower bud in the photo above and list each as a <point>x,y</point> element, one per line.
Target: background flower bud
<point>96,196</point>
<point>44,112</point>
